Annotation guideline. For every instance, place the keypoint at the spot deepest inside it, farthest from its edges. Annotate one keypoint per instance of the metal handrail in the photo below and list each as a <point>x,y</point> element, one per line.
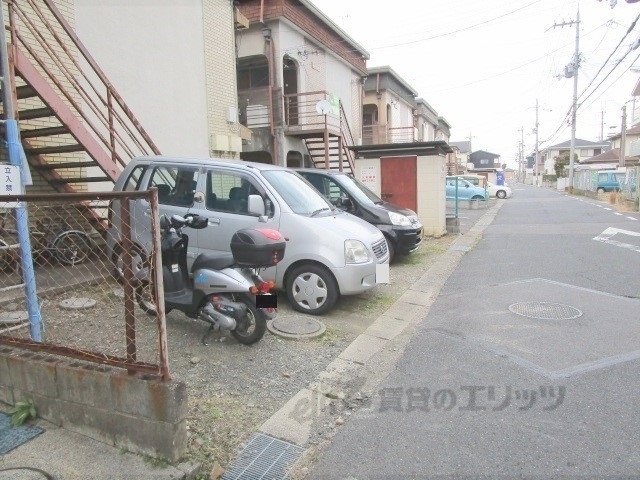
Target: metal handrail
<point>104,112</point>
<point>300,114</point>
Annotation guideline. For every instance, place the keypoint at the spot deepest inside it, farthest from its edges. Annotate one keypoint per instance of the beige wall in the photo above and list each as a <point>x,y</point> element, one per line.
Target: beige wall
<point>221,79</point>
<point>366,168</point>
<point>153,53</point>
<point>431,194</point>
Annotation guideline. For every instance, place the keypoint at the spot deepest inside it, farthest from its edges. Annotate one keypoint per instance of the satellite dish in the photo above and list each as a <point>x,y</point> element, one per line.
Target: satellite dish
<point>323,107</point>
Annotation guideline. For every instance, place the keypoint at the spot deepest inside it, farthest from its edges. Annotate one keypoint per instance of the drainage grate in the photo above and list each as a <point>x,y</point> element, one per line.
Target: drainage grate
<point>265,458</point>
<point>545,310</point>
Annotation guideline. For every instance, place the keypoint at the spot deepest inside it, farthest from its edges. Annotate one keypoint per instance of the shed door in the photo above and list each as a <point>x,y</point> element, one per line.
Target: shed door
<point>399,181</point>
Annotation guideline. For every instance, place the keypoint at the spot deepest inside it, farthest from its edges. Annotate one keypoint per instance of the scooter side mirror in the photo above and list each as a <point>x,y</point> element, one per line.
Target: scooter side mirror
<point>164,222</point>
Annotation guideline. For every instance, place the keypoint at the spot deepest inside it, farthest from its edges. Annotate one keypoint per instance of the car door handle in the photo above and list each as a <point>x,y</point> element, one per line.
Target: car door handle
<point>214,221</point>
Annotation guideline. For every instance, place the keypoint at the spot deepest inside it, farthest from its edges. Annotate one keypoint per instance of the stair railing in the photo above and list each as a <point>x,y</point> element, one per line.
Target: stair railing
<point>347,138</point>
<point>107,116</point>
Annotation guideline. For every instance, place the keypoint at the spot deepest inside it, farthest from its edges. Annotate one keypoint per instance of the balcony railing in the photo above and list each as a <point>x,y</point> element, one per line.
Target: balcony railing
<point>298,112</point>
<point>312,111</point>
<point>380,134</point>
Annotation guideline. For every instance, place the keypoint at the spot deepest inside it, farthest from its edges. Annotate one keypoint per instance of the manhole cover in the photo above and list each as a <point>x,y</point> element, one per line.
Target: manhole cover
<point>296,327</point>
<point>76,303</point>
<point>545,310</point>
<point>13,317</point>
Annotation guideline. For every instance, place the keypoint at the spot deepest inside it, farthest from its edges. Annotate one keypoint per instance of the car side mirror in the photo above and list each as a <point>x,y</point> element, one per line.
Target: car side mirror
<point>255,205</point>
<point>345,202</point>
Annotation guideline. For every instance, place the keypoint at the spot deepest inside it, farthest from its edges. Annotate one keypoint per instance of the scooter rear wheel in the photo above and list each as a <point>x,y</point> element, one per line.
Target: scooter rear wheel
<point>251,328</point>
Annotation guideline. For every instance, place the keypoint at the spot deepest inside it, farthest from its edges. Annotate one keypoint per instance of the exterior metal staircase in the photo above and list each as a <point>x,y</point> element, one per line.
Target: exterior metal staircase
<point>75,128</point>
<point>327,136</point>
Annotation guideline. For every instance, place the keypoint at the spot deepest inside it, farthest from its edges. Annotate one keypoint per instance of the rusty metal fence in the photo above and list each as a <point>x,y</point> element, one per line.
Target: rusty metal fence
<point>85,276</point>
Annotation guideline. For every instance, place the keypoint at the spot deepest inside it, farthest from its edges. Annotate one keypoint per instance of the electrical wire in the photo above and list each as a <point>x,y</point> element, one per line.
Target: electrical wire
<point>603,80</point>
<point>331,45</point>
<point>631,27</point>
<point>467,28</point>
<point>617,79</point>
<point>567,115</point>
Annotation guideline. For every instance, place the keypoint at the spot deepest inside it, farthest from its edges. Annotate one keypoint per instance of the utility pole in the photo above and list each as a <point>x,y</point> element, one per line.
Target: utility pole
<point>571,70</point>
<point>535,161</point>
<point>17,159</point>
<point>574,108</point>
<point>521,153</point>
<point>623,135</point>
<point>470,150</point>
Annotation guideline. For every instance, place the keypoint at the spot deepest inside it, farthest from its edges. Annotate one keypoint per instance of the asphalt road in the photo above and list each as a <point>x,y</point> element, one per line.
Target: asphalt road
<point>527,363</point>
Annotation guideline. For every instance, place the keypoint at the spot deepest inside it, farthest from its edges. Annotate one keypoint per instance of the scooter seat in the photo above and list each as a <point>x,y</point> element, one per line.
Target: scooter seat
<point>214,261</point>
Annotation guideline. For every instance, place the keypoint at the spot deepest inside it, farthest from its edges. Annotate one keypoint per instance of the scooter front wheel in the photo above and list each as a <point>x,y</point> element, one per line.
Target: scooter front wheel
<point>251,328</point>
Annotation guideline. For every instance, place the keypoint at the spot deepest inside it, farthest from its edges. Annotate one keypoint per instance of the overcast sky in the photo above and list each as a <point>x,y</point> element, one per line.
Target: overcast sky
<point>482,64</point>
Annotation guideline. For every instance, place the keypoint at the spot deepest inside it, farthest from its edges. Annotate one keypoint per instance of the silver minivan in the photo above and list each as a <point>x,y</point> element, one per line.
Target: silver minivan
<point>329,252</point>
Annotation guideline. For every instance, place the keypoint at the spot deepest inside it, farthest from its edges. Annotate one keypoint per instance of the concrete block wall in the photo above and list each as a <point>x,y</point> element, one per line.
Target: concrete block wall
<point>140,414</point>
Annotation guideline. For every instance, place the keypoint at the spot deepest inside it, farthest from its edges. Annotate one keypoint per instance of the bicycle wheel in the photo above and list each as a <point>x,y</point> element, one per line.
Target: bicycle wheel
<point>71,247</point>
<point>7,260</point>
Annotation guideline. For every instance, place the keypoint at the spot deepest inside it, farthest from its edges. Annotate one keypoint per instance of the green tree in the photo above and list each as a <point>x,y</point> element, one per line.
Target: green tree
<point>561,162</point>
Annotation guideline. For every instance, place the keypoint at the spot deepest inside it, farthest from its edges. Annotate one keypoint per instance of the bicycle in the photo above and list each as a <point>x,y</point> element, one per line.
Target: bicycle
<point>67,245</point>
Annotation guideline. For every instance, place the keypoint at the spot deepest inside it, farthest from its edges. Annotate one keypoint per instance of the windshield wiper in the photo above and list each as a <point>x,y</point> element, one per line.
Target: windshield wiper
<point>318,211</point>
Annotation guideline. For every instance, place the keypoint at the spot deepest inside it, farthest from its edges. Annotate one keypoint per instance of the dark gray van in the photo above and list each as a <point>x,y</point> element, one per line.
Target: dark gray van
<point>400,226</point>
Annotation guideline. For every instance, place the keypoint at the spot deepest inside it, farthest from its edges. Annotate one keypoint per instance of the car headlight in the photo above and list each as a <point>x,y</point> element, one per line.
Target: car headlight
<point>355,252</point>
<point>398,219</point>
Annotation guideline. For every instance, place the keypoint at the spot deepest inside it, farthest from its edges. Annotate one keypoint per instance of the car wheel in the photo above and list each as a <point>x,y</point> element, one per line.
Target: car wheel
<point>311,289</point>
<point>601,190</point>
<point>477,197</point>
<point>392,249</point>
<point>501,194</point>
<point>138,259</point>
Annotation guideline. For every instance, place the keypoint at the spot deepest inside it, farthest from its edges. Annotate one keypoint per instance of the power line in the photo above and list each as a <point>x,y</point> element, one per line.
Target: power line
<point>619,77</point>
<point>609,58</point>
<point>607,76</point>
<point>470,27</point>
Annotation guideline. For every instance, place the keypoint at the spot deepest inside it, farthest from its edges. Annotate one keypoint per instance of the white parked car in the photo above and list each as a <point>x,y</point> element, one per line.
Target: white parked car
<point>498,191</point>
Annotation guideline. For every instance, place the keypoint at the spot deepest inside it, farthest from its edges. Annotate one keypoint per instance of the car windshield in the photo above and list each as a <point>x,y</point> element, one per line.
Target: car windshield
<point>299,194</point>
<point>359,191</point>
